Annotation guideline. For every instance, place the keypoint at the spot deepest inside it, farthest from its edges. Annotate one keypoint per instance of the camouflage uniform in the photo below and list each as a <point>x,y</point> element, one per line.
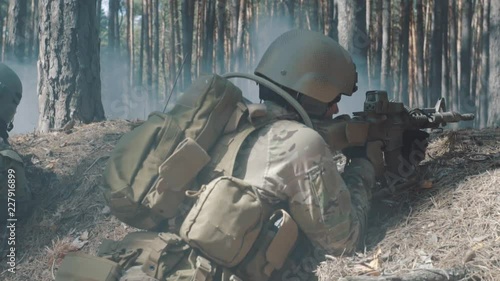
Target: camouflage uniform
<point>291,163</point>
<point>15,187</point>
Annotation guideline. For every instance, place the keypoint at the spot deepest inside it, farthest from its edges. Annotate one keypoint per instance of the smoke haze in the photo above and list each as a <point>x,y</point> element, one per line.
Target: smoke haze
<point>120,102</point>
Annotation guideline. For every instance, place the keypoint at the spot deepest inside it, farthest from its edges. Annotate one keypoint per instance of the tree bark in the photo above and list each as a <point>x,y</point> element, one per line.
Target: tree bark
<point>405,48</point>
<point>466,99</point>
<point>436,53</point>
<point>69,85</point>
<point>494,64</point>
<point>98,11</point>
<point>352,33</point>
<point>445,78</point>
<point>386,23</point>
<point>208,42</point>
<point>419,44</point>
<point>453,93</point>
<point>240,35</point>
<point>156,49</point>
<point>482,94</point>
<point>187,38</point>
<point>130,40</point>
<point>113,32</point>
<point>221,19</point>
<point>16,25</point>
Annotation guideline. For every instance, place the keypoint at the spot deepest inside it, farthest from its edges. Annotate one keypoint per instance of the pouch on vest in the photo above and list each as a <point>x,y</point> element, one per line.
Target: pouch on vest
<point>151,166</point>
<point>163,256</point>
<point>83,267</point>
<point>225,221</point>
<point>274,244</point>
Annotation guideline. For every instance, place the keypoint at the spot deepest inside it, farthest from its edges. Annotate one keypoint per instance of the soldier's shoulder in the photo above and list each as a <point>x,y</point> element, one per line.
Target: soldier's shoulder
<point>298,133</point>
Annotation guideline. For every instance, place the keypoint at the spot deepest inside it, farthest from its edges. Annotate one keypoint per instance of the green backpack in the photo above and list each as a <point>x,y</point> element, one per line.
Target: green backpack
<point>153,165</point>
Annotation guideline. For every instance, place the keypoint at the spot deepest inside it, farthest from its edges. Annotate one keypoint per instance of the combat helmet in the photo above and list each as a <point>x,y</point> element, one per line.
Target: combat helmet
<point>11,90</point>
<point>309,63</point>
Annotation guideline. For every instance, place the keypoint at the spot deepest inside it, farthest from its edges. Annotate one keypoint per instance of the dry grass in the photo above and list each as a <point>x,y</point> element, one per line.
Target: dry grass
<point>455,223</point>
<point>64,170</point>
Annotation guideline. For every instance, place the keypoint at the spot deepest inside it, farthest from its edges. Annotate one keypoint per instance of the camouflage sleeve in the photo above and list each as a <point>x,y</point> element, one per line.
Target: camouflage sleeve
<point>359,176</point>
<point>331,213</point>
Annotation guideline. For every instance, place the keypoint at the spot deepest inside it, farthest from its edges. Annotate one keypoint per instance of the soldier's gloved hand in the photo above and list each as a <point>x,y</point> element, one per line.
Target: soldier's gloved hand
<point>414,146</point>
<point>371,151</point>
<point>355,152</point>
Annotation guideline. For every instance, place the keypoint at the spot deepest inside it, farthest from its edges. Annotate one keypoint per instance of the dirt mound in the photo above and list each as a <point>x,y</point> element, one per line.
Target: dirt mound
<point>447,222</point>
<point>64,169</point>
<point>450,219</point>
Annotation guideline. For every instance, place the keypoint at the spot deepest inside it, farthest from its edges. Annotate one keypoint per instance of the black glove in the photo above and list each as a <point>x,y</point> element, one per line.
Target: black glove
<point>355,152</point>
<point>414,146</point>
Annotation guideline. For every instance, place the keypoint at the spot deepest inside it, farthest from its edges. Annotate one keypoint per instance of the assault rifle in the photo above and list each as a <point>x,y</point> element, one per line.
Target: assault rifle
<point>389,125</point>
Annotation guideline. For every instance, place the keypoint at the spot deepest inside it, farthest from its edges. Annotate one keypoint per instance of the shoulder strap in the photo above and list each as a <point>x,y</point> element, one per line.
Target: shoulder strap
<point>225,152</point>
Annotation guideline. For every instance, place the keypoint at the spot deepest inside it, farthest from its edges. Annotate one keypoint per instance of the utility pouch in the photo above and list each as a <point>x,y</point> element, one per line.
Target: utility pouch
<point>225,221</point>
<point>277,239</point>
<point>83,267</point>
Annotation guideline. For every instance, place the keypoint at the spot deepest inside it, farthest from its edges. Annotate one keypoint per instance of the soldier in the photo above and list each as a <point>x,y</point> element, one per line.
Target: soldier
<point>291,162</point>
<point>15,194</point>
<point>291,167</point>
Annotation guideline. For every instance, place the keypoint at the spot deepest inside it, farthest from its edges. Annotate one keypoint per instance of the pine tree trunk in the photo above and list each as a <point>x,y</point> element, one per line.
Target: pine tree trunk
<point>181,54</point>
<point>405,48</point>
<point>375,31</point>
<point>453,93</point>
<point>352,33</point>
<point>142,42</point>
<point>113,33</point>
<point>34,24</point>
<point>494,64</point>
<point>221,19</point>
<point>466,99</point>
<point>386,23</point>
<point>436,53</point>
<point>239,36</point>
<point>208,42</point>
<point>3,19</point>
<point>130,40</point>
<point>330,24</point>
<point>419,44</point>
<point>16,25</point>
<point>156,49</point>
<point>445,78</point>
<point>482,94</point>
<point>314,15</point>
<point>69,85</point>
<point>98,11</point>
<point>172,41</point>
<point>187,38</point>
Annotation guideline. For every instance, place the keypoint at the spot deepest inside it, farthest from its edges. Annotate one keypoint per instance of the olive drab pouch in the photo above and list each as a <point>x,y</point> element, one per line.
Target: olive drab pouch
<point>82,267</point>
<point>225,221</point>
<point>151,167</point>
<point>157,256</point>
<point>272,248</point>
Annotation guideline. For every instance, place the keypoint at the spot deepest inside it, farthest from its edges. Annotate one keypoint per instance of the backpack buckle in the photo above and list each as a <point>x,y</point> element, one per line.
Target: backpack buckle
<point>203,264</point>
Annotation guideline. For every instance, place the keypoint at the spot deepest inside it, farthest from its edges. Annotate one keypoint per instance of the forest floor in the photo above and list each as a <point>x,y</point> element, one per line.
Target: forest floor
<point>449,221</point>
